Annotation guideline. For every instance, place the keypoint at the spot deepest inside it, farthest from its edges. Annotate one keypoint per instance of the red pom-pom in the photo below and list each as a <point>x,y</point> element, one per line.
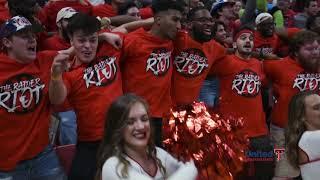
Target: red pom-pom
<point>216,145</point>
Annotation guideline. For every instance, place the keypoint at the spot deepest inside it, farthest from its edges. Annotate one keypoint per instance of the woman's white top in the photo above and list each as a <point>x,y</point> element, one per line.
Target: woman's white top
<point>310,144</point>
<point>174,169</point>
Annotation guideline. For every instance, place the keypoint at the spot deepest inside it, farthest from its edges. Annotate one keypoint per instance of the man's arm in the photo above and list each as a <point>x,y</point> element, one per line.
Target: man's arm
<point>57,88</point>
<point>125,28</point>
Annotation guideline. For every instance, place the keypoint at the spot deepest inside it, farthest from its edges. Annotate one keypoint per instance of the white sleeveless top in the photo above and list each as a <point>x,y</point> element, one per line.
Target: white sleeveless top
<point>174,169</point>
<point>310,144</point>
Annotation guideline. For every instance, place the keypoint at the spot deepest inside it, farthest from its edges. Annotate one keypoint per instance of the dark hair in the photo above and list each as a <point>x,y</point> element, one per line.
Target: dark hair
<point>307,3</point>
<point>23,8</point>
<point>26,9</point>
<point>296,126</point>
<point>215,27</point>
<point>123,9</point>
<point>300,39</point>
<point>193,11</point>
<point>164,5</point>
<point>113,143</point>
<point>310,21</point>
<point>87,24</point>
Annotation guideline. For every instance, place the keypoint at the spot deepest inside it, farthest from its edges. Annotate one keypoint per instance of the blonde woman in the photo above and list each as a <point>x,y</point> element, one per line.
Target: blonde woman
<point>128,151</point>
<point>303,134</point>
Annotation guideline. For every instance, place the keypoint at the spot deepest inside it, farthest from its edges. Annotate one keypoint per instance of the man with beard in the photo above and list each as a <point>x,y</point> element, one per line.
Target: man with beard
<point>298,72</point>
<point>241,78</point>
<point>61,40</point>
<point>266,42</point>
<point>313,23</point>
<point>194,55</point>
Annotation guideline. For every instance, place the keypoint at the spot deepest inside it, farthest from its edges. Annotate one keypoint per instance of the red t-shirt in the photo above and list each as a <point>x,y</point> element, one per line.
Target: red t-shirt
<point>288,78</point>
<point>55,43</point>
<point>289,18</point>
<point>24,108</point>
<point>147,69</point>
<point>4,14</point>
<point>49,13</point>
<point>240,92</point>
<point>266,45</point>
<point>104,10</point>
<point>91,89</point>
<point>146,12</point>
<point>192,62</point>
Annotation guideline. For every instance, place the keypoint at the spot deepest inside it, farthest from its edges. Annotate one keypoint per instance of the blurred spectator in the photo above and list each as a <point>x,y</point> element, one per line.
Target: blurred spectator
<point>288,14</point>
<point>219,33</point>
<point>109,9</point>
<point>96,2</point>
<point>310,9</point>
<point>49,12</point>
<point>222,10</point>
<point>236,8</point>
<point>129,8</point>
<point>313,23</point>
<point>266,42</point>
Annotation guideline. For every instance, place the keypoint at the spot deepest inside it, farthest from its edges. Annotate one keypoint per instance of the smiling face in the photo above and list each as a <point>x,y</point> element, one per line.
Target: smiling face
<point>136,134</point>
<point>266,28</point>
<point>201,24</point>
<point>22,46</point>
<point>221,33</point>
<point>85,46</point>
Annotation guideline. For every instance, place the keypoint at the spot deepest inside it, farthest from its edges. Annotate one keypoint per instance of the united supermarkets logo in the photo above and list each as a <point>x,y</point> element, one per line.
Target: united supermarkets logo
<point>276,154</point>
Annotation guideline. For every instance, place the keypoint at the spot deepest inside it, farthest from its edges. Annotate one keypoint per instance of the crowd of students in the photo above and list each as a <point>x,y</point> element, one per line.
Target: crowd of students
<point>111,71</point>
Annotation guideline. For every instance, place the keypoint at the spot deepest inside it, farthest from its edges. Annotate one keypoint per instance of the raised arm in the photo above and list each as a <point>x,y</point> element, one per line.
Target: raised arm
<point>57,88</point>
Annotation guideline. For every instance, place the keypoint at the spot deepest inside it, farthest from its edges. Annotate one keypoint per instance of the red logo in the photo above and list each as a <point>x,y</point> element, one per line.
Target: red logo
<point>278,152</point>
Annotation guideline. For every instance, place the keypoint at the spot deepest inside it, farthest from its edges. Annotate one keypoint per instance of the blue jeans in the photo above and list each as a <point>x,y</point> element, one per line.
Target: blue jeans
<point>45,166</point>
<point>209,92</point>
<point>68,128</point>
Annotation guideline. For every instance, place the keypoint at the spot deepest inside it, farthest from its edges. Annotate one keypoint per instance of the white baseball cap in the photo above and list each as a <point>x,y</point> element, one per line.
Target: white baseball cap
<point>262,17</point>
<point>65,13</point>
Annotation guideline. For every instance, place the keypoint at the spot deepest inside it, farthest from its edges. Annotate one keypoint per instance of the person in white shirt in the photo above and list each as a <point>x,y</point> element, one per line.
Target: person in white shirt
<point>128,151</point>
<point>303,134</point>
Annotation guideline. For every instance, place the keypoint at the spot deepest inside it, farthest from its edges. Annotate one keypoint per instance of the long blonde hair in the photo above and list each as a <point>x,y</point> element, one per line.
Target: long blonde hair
<point>112,143</point>
<point>296,126</point>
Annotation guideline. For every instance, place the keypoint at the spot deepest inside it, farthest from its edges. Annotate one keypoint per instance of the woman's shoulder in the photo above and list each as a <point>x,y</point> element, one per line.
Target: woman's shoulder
<point>110,164</point>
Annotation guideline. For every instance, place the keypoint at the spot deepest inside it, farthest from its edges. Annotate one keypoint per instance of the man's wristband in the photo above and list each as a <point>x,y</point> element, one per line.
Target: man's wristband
<point>56,77</point>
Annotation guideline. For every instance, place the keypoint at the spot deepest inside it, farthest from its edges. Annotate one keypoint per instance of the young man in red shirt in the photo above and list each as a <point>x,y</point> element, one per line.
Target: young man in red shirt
<point>93,82</point>
<point>147,69</point>
<point>241,78</point>
<point>195,53</point>
<point>298,72</point>
<point>24,106</point>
